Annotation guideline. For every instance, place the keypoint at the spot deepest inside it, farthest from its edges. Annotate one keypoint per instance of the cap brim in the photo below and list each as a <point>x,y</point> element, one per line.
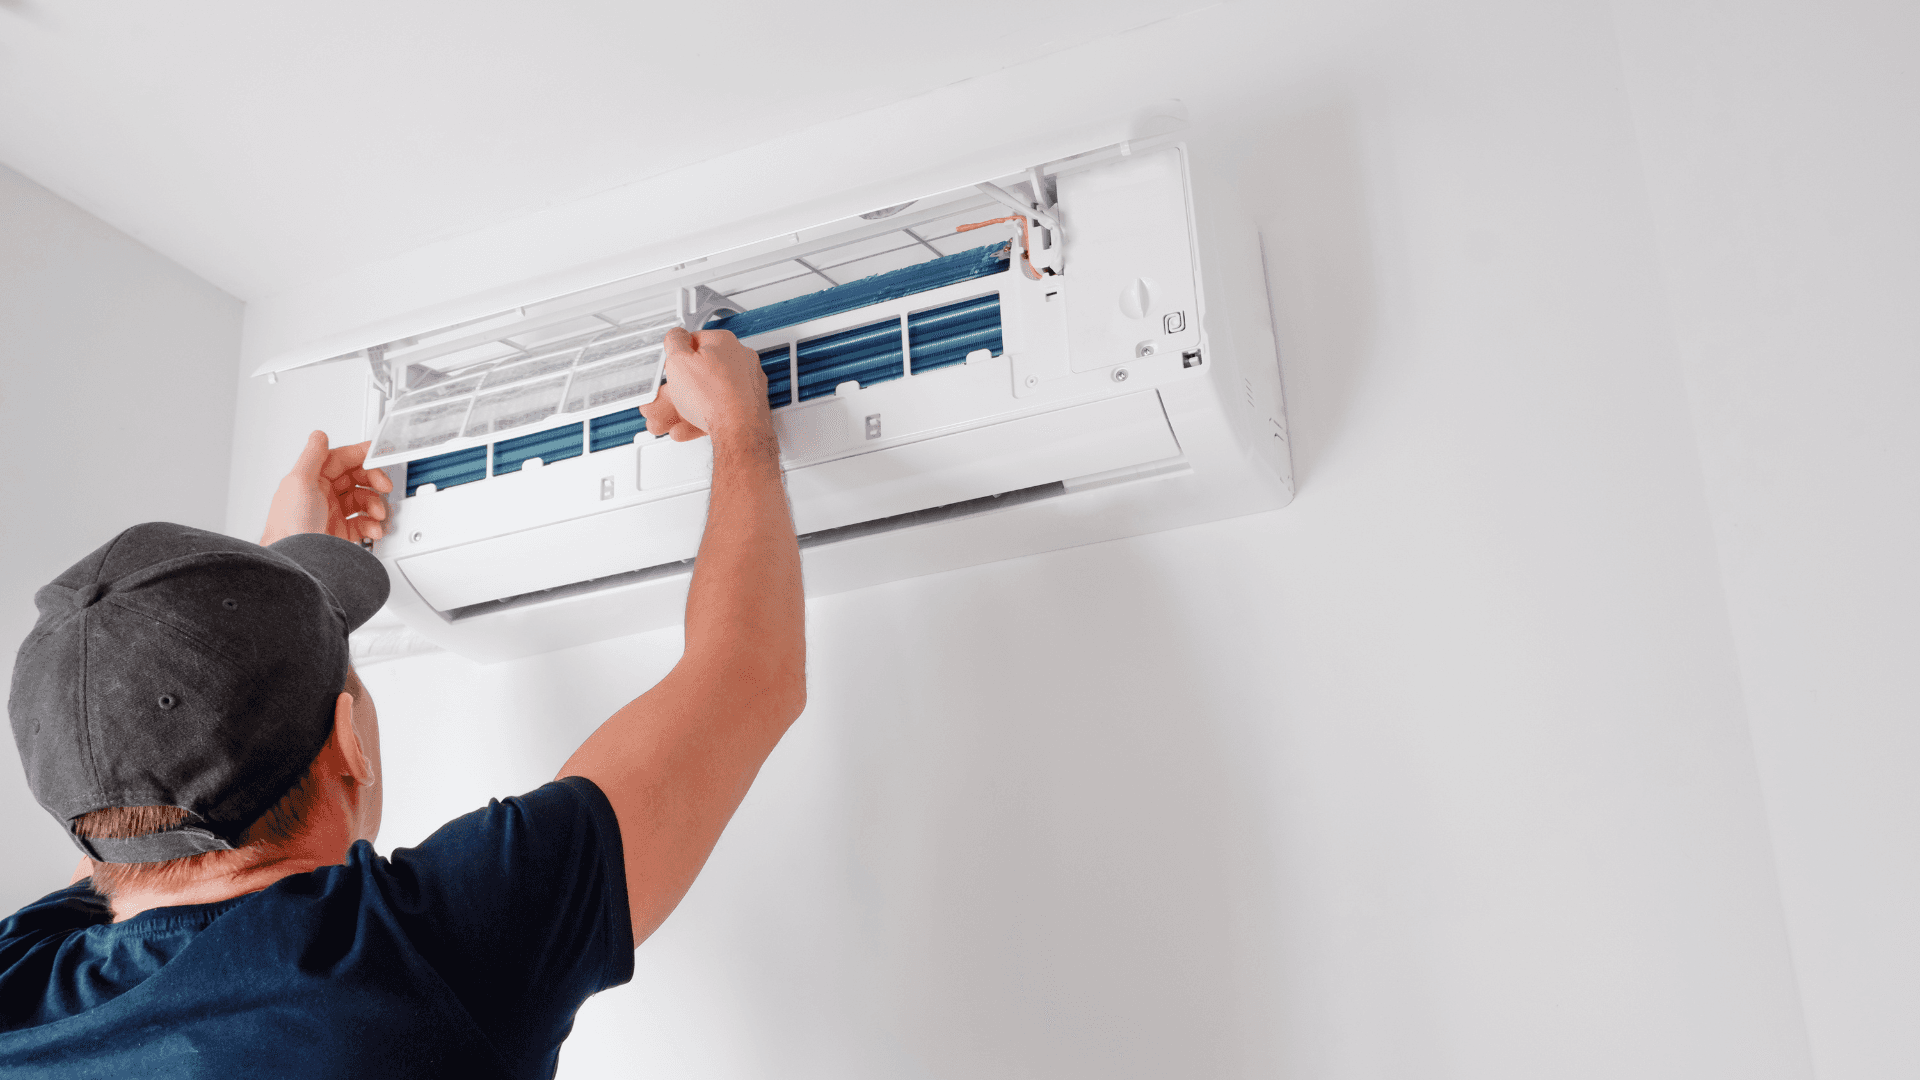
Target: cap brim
<point>350,572</point>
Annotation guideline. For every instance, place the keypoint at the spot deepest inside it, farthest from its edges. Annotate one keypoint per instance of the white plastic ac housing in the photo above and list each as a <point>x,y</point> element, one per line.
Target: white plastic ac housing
<point>1136,390</point>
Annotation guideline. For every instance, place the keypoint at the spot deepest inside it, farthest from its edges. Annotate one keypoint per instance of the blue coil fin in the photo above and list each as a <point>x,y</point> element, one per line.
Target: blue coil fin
<point>447,470</point>
<point>551,445</point>
<point>945,335</point>
<point>892,285</point>
<point>614,430</point>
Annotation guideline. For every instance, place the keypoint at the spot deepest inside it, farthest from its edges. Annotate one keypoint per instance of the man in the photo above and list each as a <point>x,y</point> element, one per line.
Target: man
<point>185,709</point>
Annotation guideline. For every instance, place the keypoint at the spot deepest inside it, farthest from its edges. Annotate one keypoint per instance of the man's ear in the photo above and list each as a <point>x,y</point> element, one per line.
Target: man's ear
<point>348,740</point>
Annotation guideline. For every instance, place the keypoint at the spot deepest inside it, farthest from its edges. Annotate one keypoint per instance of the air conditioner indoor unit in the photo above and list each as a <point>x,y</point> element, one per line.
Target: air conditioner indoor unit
<point>1026,364</point>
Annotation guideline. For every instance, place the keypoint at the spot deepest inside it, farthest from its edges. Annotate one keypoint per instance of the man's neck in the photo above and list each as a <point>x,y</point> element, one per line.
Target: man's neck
<point>234,873</point>
<point>326,833</point>
<point>214,884</point>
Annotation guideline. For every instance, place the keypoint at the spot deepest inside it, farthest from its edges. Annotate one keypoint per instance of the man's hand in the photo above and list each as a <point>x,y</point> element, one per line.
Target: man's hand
<point>718,388</point>
<point>328,491</point>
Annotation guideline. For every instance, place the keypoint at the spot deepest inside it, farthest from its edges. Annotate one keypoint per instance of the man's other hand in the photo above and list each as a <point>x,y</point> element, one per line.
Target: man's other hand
<point>718,387</point>
<point>329,491</point>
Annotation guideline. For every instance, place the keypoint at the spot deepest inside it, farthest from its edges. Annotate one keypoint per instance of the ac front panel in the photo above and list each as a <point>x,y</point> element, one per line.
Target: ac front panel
<point>1151,503</point>
<point>1078,441</point>
<point>985,418</point>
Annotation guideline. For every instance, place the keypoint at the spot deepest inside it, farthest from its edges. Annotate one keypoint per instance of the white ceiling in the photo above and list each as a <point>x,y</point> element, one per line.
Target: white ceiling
<point>266,146</point>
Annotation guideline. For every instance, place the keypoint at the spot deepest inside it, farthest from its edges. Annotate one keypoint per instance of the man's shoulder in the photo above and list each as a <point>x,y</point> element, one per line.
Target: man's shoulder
<point>474,947</point>
<point>62,911</point>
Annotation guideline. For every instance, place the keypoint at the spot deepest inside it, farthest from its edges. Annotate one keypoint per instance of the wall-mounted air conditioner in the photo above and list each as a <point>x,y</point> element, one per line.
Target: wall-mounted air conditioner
<point>1030,363</point>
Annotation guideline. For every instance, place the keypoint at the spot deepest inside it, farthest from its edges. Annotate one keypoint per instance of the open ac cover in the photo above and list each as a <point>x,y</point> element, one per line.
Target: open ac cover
<point>944,396</point>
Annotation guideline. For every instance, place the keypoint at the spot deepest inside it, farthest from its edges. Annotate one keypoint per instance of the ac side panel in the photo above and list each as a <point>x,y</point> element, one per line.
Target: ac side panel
<point>1239,319</point>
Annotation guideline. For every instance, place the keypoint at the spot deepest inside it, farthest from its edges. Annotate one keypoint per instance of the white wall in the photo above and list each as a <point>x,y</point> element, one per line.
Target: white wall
<point>1783,156</point>
<point>1599,342</point>
<point>367,129</point>
<point>116,407</point>
<point>1441,771</point>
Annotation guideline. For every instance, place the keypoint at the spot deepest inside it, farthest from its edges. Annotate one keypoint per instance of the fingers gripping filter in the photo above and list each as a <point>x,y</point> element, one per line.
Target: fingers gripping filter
<point>179,667</point>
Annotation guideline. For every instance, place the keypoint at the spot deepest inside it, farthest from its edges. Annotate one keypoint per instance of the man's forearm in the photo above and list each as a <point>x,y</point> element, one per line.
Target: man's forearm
<point>746,615</point>
<point>676,761</point>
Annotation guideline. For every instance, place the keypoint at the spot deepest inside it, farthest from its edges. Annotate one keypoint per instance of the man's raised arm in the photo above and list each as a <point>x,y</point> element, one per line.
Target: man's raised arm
<point>676,761</point>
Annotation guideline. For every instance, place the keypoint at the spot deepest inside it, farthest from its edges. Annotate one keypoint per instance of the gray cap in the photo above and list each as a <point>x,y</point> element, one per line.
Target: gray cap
<point>180,667</point>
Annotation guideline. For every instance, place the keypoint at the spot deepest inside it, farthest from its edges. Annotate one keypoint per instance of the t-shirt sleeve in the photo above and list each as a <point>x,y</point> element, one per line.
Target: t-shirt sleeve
<point>30,941</point>
<point>522,907</point>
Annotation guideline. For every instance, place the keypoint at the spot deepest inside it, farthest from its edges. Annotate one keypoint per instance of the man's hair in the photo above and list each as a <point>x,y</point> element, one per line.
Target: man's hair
<point>278,826</point>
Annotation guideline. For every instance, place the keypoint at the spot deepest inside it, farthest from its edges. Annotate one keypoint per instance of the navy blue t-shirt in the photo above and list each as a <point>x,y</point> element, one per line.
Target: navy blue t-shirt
<point>466,956</point>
